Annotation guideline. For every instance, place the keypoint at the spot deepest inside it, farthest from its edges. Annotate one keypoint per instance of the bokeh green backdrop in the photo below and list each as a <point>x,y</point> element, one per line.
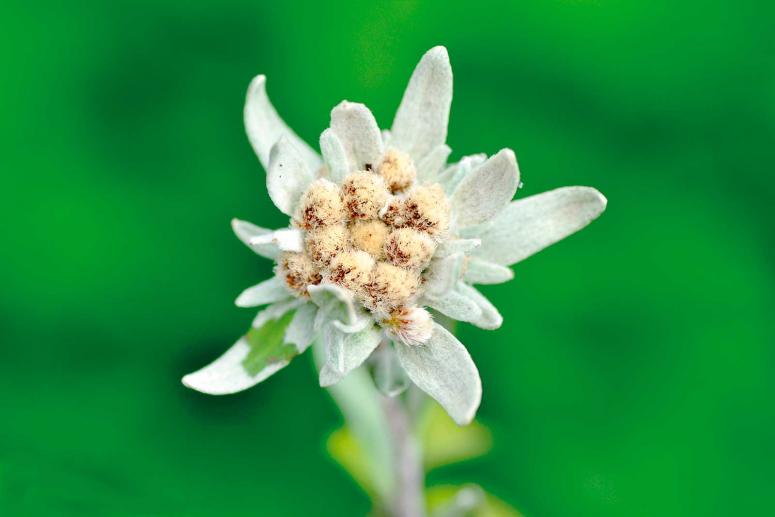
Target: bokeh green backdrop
<point>633,373</point>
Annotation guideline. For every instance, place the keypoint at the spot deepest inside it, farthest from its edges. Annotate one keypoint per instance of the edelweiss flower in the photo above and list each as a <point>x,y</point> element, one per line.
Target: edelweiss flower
<point>379,231</point>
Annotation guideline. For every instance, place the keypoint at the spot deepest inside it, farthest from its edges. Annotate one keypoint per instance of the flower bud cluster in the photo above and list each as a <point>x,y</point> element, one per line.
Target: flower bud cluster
<point>374,235</point>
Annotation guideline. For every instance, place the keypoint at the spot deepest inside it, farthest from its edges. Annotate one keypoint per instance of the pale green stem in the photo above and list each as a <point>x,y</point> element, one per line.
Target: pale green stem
<point>384,428</point>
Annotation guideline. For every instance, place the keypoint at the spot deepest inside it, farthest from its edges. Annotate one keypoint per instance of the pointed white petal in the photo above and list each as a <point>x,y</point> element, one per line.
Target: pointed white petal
<point>265,127</point>
<point>346,352</point>
<point>442,275</point>
<point>487,190</point>
<point>356,128</point>
<point>389,376</point>
<point>275,311</point>
<point>268,291</point>
<point>421,119</point>
<point>443,369</point>
<point>256,356</point>
<point>429,167</point>
<point>529,225</point>
<point>455,305</point>
<point>482,271</point>
<point>453,246</point>
<point>246,231</point>
<point>488,317</point>
<point>301,331</point>
<point>451,177</point>
<point>287,177</point>
<point>334,156</point>
<point>287,239</point>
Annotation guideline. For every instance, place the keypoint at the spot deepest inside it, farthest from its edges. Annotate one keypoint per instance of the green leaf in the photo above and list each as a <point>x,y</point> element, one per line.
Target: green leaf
<point>445,442</point>
<point>267,345</point>
<point>346,450</point>
<point>466,501</point>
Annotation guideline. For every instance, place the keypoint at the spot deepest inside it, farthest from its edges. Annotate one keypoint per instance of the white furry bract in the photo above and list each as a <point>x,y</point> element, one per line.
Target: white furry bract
<point>443,369</point>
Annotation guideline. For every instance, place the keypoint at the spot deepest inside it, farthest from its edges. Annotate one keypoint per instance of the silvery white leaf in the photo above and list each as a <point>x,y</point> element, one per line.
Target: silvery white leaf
<point>246,231</point>
<point>421,120</point>
<point>356,128</point>
<point>488,318</point>
<point>346,352</point>
<point>265,127</point>
<point>253,358</point>
<point>389,376</point>
<point>334,304</point>
<point>452,246</point>
<point>451,177</point>
<point>482,271</point>
<point>334,156</point>
<point>455,305</point>
<point>287,177</point>
<point>529,225</point>
<point>487,190</point>
<point>301,331</point>
<point>442,274</point>
<point>275,311</point>
<point>287,239</point>
<point>443,369</point>
<point>268,291</point>
<point>429,167</point>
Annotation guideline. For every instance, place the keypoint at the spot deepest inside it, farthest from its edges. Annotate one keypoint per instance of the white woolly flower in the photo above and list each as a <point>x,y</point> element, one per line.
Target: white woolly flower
<point>380,229</point>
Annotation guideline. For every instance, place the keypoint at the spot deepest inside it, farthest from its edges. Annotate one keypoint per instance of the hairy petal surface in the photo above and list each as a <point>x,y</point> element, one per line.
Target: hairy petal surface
<point>421,120</point>
<point>268,291</point>
<point>443,369</point>
<point>287,177</point>
<point>482,271</point>
<point>488,316</point>
<point>428,169</point>
<point>334,156</point>
<point>529,225</point>
<point>335,304</point>
<point>265,127</point>
<point>454,304</point>
<point>246,232</point>
<point>286,239</point>
<point>301,330</point>
<point>451,177</point>
<point>389,376</point>
<point>346,352</point>
<point>357,129</point>
<point>487,190</point>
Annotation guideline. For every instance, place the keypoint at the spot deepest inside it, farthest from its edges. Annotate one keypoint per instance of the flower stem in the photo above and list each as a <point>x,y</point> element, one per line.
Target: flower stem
<point>407,499</point>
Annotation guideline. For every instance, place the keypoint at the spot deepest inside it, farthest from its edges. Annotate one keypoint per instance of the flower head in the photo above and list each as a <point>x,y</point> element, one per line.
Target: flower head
<point>381,230</point>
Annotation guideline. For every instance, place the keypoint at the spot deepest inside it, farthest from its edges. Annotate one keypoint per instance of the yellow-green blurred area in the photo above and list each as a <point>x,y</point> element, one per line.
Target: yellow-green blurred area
<point>633,374</point>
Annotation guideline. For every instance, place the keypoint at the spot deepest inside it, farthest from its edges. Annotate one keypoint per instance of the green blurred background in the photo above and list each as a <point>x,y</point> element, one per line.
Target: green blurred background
<point>633,373</point>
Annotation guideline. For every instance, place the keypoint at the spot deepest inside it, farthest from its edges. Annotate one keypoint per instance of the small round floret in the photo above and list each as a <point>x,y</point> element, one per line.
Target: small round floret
<point>364,194</point>
<point>298,271</point>
<point>390,287</point>
<point>398,170</point>
<point>410,248</point>
<point>324,243</point>
<point>351,270</point>
<point>369,236</point>
<point>319,206</point>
